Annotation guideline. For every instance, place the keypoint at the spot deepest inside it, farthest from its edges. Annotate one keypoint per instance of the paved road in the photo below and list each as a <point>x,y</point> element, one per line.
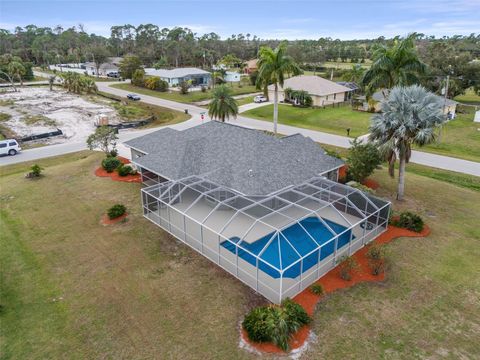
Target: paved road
<point>438,161</point>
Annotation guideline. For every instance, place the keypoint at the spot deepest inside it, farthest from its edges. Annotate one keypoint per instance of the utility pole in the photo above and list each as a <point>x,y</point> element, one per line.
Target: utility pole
<point>444,106</point>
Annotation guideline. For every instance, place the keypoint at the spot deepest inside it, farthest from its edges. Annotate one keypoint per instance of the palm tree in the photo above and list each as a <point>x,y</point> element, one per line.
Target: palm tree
<point>223,105</point>
<point>17,70</point>
<point>409,117</point>
<point>354,74</point>
<point>273,67</point>
<point>88,85</point>
<point>395,65</point>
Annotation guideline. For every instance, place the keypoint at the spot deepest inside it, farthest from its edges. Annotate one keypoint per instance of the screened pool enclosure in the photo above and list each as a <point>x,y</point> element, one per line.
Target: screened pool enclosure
<point>278,244</point>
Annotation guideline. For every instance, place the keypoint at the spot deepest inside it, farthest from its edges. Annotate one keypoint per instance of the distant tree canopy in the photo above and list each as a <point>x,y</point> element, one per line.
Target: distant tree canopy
<point>163,47</point>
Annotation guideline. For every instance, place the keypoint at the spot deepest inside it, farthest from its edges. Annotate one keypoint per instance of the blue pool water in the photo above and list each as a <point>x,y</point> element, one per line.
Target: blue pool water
<point>281,254</point>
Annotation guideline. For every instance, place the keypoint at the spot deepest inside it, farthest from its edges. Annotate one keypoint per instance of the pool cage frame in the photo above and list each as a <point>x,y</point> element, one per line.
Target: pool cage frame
<point>213,220</point>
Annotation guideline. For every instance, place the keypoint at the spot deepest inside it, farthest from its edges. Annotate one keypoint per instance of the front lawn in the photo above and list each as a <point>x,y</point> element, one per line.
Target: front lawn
<point>331,120</point>
<point>72,288</point>
<point>137,110</point>
<point>191,97</point>
<point>469,98</point>
<point>460,137</point>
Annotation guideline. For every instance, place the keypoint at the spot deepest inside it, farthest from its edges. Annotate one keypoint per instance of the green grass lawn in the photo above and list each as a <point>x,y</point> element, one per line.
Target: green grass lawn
<point>72,288</point>
<point>246,100</point>
<point>191,97</point>
<point>469,98</point>
<point>460,137</point>
<point>330,120</point>
<point>137,110</point>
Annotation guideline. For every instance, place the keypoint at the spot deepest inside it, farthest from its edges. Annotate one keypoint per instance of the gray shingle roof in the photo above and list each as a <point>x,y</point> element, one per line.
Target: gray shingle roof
<point>225,154</point>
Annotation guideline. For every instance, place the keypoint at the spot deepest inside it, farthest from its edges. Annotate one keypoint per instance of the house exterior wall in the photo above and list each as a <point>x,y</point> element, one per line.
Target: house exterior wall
<point>203,79</point>
<point>317,100</point>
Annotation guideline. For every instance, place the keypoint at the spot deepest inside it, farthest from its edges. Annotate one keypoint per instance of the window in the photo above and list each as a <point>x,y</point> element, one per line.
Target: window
<point>13,143</point>
<point>2,145</point>
<point>334,96</point>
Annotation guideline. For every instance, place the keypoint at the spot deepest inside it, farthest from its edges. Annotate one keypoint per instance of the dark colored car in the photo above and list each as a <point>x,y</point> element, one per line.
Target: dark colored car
<point>133,97</point>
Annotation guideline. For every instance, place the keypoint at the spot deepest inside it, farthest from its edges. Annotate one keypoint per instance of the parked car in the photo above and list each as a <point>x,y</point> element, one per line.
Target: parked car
<point>113,74</point>
<point>133,97</point>
<point>9,147</point>
<point>260,99</point>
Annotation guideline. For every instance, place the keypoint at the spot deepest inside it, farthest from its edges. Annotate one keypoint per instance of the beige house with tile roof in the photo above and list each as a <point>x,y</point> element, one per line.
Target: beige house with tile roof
<point>323,92</point>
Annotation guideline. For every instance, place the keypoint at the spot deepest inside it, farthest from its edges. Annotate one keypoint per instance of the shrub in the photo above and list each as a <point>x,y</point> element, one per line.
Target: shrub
<point>410,221</point>
<point>116,211</point>
<point>275,323</point>
<point>376,258</point>
<point>124,170</point>
<point>204,89</point>
<point>36,170</point>
<point>362,160</point>
<point>113,153</point>
<point>347,266</point>
<point>155,83</point>
<point>316,289</point>
<point>110,163</point>
<point>184,86</point>
<point>138,77</point>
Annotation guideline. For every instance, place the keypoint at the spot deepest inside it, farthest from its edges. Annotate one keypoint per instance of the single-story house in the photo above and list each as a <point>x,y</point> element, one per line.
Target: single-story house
<point>173,77</point>
<point>268,210</point>
<point>450,106</point>
<point>111,66</point>
<point>251,66</point>
<point>323,92</point>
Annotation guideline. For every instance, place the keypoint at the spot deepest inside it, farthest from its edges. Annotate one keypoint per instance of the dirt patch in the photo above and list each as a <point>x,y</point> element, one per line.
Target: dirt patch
<point>36,110</point>
<point>330,283</point>
<point>107,221</point>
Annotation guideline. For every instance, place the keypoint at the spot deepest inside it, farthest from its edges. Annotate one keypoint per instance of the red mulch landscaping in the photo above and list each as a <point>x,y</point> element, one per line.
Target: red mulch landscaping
<point>100,172</point>
<point>370,183</point>
<point>331,282</point>
<point>107,221</point>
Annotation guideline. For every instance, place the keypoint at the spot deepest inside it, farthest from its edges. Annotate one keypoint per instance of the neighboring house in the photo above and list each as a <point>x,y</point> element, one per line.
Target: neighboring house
<point>351,85</point>
<point>268,210</point>
<point>323,92</point>
<point>449,106</point>
<point>231,76</point>
<point>111,66</point>
<point>173,77</point>
<point>251,66</point>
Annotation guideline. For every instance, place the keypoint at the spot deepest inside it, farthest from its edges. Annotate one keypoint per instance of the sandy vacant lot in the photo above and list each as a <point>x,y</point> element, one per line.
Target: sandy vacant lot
<point>36,110</point>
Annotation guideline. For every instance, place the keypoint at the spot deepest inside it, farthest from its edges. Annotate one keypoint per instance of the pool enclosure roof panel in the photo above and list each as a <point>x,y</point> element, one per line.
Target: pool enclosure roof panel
<point>294,223</point>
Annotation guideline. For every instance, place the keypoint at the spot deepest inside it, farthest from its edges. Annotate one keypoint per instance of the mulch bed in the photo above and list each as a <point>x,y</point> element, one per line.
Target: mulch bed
<point>107,221</point>
<point>370,183</point>
<point>332,282</point>
<point>100,172</point>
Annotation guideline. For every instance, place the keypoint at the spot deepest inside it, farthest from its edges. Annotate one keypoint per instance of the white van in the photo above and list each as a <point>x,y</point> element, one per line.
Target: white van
<point>9,147</point>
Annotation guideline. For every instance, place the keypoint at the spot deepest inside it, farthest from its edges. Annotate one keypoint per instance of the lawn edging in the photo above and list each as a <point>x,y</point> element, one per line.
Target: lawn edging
<point>330,282</point>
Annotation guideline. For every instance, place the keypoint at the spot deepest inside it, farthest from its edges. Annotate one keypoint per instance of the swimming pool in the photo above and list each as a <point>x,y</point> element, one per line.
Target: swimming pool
<point>282,251</point>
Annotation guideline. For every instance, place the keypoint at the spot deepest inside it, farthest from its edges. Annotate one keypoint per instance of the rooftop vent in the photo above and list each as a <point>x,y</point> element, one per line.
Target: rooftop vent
<point>250,173</point>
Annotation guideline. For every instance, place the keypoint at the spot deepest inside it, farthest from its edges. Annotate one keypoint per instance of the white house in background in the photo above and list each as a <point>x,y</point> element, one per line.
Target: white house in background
<point>173,77</point>
<point>232,76</point>
<point>323,92</point>
<point>111,66</point>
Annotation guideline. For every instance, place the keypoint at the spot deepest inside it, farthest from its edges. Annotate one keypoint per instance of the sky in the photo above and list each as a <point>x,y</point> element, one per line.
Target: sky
<point>268,19</point>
